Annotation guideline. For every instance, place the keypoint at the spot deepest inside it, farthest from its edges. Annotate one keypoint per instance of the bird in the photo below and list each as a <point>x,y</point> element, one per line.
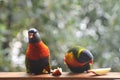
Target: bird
<point>78,59</point>
<point>37,60</point>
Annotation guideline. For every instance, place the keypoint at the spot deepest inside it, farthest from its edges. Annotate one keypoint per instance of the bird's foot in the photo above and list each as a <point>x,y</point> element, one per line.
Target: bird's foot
<point>47,70</point>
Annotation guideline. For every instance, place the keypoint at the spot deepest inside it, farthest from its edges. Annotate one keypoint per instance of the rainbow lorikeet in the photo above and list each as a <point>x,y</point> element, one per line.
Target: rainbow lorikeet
<point>37,54</point>
<point>78,59</point>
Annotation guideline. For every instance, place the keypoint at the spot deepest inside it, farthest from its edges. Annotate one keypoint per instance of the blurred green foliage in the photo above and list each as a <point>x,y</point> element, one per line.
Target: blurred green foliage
<point>93,24</point>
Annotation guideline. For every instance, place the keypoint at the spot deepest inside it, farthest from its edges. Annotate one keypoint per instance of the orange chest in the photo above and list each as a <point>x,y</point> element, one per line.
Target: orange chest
<point>70,60</point>
<point>37,51</point>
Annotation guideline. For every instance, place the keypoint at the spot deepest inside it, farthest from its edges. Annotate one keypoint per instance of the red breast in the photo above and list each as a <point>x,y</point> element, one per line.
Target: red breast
<point>37,51</point>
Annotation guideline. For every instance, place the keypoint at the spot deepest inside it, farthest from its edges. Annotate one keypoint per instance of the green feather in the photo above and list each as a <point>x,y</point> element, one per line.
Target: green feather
<point>79,51</point>
<point>27,65</point>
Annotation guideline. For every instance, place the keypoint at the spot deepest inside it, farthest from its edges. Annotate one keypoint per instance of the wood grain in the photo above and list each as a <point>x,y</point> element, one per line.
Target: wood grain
<point>64,76</point>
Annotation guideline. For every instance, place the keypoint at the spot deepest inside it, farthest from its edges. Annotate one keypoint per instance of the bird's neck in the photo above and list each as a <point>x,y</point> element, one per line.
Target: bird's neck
<point>34,40</point>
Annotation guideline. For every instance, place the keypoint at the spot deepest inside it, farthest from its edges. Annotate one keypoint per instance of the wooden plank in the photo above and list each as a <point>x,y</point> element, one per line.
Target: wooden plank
<point>64,76</point>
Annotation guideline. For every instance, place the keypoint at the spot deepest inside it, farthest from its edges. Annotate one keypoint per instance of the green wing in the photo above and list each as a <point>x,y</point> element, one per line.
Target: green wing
<point>27,65</point>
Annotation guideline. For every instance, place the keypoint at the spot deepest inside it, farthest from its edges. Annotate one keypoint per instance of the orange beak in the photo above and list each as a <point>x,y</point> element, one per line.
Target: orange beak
<point>91,62</point>
<point>31,35</point>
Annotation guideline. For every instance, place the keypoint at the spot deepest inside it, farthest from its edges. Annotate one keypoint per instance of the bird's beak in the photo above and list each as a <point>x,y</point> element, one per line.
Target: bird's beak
<point>91,62</point>
<point>31,35</point>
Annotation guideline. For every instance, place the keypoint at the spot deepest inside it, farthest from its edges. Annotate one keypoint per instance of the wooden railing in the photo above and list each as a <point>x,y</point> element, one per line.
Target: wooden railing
<point>64,76</point>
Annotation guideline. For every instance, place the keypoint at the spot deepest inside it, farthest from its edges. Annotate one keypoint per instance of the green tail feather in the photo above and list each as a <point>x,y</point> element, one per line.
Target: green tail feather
<point>27,65</point>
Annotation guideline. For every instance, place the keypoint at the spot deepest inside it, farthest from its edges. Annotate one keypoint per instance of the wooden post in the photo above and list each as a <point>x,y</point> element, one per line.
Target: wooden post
<point>64,76</point>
